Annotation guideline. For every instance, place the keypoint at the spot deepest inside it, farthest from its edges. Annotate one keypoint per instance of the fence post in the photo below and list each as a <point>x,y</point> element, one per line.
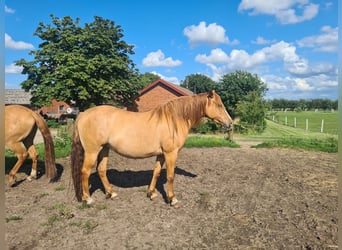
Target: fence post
<point>286,120</point>
<point>322,124</point>
<point>70,126</point>
<point>306,124</point>
<point>295,122</point>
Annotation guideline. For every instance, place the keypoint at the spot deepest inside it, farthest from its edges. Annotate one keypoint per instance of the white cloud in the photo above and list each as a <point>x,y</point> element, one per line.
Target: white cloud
<point>171,79</point>
<point>9,10</point>
<point>302,84</point>
<point>299,76</point>
<point>212,34</point>
<point>285,11</point>
<point>298,87</point>
<point>216,56</point>
<point>157,59</point>
<point>303,67</point>
<point>262,41</point>
<point>240,59</point>
<point>11,44</point>
<point>327,41</point>
<point>276,83</point>
<point>13,69</point>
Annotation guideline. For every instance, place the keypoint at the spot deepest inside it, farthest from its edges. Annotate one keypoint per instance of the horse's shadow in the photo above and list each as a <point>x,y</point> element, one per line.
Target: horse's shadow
<point>27,166</point>
<point>129,179</point>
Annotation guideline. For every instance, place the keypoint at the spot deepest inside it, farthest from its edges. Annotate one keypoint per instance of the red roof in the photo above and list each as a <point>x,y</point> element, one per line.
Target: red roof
<point>178,89</point>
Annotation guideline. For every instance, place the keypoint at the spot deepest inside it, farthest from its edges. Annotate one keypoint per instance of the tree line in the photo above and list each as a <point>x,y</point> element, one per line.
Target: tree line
<point>302,104</point>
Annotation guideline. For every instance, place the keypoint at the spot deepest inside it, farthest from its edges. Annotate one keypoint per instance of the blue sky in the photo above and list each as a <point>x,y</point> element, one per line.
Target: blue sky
<point>291,45</point>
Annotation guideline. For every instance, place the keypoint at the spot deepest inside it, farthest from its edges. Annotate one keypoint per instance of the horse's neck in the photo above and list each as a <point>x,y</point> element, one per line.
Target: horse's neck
<point>195,118</point>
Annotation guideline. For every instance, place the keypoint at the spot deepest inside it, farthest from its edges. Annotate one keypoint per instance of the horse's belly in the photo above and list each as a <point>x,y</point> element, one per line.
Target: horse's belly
<point>136,150</point>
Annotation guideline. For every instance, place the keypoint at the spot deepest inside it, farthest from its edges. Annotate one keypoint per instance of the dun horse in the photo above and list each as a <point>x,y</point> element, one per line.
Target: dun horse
<point>21,126</point>
<point>160,132</point>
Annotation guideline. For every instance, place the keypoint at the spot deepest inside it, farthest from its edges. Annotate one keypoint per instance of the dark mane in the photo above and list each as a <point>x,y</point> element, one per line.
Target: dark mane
<point>186,108</point>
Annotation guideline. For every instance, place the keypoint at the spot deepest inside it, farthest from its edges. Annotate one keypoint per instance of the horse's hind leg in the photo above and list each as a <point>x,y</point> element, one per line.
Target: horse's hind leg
<point>102,171</point>
<point>28,142</point>
<point>21,154</point>
<point>34,156</point>
<point>156,173</point>
<point>88,163</point>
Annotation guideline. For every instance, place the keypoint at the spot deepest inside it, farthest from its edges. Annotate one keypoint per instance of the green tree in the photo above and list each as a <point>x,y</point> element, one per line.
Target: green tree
<point>242,94</point>
<point>236,86</point>
<point>148,78</point>
<point>252,112</point>
<point>198,83</point>
<point>89,65</point>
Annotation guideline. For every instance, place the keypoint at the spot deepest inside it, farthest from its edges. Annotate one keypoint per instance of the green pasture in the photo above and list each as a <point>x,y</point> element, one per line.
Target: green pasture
<point>330,125</point>
<point>278,135</point>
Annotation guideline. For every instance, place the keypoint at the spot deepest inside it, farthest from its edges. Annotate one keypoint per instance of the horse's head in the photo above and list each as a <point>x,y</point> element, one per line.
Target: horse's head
<point>216,110</point>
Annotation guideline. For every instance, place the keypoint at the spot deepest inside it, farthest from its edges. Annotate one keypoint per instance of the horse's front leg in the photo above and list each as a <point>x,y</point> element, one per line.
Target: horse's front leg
<point>170,159</point>
<point>156,173</point>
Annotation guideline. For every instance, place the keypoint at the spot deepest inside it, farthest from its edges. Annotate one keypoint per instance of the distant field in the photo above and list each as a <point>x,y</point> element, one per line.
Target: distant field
<point>298,120</point>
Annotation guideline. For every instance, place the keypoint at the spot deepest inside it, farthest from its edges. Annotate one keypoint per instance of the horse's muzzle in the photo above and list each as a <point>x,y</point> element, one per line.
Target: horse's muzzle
<point>227,127</point>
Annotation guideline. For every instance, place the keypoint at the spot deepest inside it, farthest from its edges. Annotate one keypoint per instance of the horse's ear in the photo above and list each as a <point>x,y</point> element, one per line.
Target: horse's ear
<point>211,93</point>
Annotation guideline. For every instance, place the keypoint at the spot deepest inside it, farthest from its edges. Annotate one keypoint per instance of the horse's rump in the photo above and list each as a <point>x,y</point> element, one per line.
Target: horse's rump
<point>21,125</point>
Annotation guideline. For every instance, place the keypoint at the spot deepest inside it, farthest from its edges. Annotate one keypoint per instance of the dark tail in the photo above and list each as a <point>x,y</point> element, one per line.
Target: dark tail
<point>77,155</point>
<point>49,155</point>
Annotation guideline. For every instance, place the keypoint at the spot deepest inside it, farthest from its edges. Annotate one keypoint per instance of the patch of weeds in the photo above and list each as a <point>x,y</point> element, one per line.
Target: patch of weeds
<point>13,218</point>
<point>143,190</point>
<point>43,195</point>
<point>101,206</point>
<point>84,205</point>
<point>324,145</point>
<point>207,142</point>
<point>87,226</point>
<point>52,219</point>
<point>59,188</point>
<point>77,223</point>
<point>61,213</point>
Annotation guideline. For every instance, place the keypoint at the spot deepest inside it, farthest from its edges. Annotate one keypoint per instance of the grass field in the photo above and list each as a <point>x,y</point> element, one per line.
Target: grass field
<point>278,135</point>
<point>330,125</point>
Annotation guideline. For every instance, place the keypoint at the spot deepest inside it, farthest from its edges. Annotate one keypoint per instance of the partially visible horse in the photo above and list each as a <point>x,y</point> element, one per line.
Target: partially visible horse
<point>21,126</point>
<point>159,132</point>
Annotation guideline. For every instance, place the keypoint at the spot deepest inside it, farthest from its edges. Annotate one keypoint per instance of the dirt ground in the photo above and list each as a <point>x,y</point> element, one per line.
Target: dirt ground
<point>241,198</point>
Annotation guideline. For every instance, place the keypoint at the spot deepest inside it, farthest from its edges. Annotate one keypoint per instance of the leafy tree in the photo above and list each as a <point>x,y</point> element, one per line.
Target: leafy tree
<point>148,78</point>
<point>89,65</point>
<point>252,112</point>
<point>198,83</point>
<point>236,86</point>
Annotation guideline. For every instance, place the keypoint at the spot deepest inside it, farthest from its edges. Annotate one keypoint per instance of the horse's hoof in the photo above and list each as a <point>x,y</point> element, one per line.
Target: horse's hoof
<point>174,203</point>
<point>89,201</point>
<point>30,178</point>
<point>152,195</point>
<point>12,181</point>
<point>111,195</point>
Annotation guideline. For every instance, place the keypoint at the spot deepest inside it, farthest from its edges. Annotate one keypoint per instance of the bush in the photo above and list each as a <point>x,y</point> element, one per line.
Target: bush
<point>52,123</point>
